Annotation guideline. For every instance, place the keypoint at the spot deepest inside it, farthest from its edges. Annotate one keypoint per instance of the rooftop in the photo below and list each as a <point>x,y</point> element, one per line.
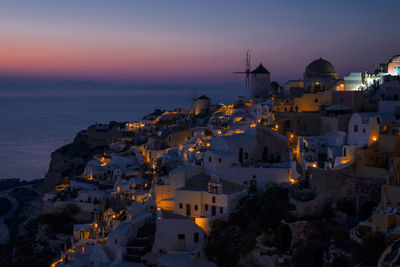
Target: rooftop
<point>200,183</point>
<point>260,70</point>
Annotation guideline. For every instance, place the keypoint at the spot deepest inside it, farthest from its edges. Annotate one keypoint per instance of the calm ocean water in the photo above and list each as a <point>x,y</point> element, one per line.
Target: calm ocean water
<point>32,125</point>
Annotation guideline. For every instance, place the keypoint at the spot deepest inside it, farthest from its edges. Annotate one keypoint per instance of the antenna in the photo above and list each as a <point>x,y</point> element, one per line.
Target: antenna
<point>247,71</point>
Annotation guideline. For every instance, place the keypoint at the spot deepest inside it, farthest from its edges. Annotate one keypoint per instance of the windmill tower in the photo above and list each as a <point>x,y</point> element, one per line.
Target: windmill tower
<point>260,82</point>
<point>247,72</point>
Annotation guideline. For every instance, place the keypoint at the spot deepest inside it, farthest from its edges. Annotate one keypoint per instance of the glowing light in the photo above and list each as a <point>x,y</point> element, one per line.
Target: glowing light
<point>291,136</point>
<point>314,165</point>
<point>56,262</point>
<point>374,138</point>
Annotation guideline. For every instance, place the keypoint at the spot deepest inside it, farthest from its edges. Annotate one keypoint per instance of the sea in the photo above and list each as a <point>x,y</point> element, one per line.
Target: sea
<point>37,118</point>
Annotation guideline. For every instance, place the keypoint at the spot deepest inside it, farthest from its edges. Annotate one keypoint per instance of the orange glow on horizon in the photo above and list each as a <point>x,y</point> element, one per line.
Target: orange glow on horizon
<point>138,62</point>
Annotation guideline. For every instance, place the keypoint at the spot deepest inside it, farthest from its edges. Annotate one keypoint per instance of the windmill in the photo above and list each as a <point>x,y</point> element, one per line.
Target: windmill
<point>247,71</point>
<point>193,98</point>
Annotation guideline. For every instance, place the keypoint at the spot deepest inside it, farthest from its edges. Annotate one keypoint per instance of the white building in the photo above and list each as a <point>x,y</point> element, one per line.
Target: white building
<point>178,242</point>
<point>389,102</point>
<point>245,160</point>
<point>363,128</point>
<point>207,196</point>
<point>353,82</point>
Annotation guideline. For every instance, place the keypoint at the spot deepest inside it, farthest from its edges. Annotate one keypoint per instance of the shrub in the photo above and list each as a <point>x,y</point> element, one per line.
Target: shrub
<point>72,209</point>
<point>371,248</point>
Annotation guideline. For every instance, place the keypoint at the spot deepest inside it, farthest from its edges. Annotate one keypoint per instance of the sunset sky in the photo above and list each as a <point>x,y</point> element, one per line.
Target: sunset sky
<point>200,41</point>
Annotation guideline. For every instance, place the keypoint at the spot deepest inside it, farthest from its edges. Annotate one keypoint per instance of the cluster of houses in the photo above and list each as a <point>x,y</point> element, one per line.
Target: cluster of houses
<point>151,198</point>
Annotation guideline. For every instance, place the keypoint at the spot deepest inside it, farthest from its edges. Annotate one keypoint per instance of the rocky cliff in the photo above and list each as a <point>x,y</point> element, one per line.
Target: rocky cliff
<point>71,159</point>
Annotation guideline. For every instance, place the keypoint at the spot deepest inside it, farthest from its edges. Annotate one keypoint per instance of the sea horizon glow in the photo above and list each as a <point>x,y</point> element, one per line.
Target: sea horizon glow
<point>184,42</point>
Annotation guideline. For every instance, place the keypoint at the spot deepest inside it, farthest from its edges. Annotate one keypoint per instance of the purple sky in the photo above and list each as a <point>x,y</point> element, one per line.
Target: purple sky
<point>192,41</point>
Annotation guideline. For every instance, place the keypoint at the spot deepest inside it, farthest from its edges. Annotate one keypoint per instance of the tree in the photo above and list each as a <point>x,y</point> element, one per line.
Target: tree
<point>371,248</point>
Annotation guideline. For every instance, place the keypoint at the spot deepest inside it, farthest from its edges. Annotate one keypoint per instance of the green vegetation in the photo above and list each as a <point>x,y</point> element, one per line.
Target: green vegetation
<point>5,206</point>
<point>57,223</point>
<point>255,215</point>
<point>266,215</point>
<point>72,209</point>
<point>371,248</point>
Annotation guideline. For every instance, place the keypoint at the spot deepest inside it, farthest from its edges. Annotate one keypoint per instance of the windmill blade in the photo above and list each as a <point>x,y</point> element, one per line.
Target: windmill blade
<point>247,72</point>
<point>193,98</point>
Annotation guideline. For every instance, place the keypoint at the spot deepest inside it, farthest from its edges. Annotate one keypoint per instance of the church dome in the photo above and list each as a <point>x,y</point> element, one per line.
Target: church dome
<point>321,68</point>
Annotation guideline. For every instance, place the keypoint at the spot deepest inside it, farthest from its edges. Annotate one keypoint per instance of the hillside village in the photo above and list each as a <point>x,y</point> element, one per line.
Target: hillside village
<point>300,174</point>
